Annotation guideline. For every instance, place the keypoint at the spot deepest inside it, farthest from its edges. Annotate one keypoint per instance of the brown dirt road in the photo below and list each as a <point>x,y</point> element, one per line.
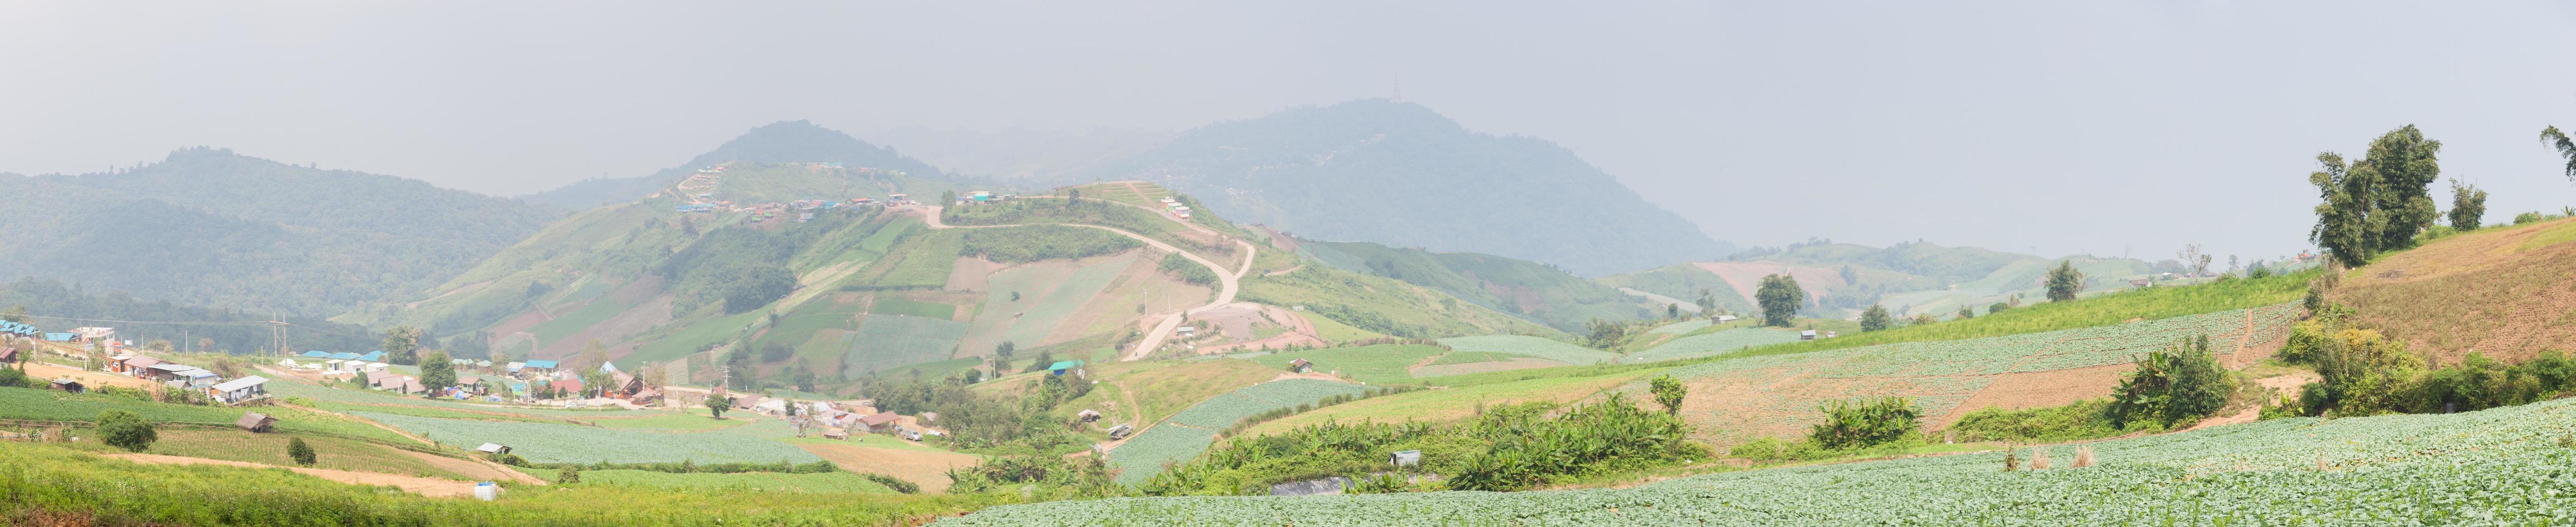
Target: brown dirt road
<point>432,487</point>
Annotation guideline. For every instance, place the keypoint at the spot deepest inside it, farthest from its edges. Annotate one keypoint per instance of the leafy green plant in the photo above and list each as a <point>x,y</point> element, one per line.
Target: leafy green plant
<point>2172,386</point>
<point>1865,422</point>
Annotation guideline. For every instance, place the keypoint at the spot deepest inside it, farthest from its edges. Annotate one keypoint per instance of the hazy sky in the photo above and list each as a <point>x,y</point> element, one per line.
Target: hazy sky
<point>2050,126</point>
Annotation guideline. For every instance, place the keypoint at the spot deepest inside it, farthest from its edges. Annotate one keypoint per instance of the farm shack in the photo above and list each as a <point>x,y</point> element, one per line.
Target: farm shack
<point>492,448</point>
<point>8,355</point>
<point>1088,415</point>
<point>69,385</point>
<point>1301,366</point>
<point>1187,331</point>
<point>836,433</point>
<point>255,422</point>
<point>1807,335</point>
<point>879,422</point>
<point>1726,318</point>
<point>1060,367</point>
<point>243,389</point>
<point>1405,458</point>
<point>1121,431</point>
<point>136,366</point>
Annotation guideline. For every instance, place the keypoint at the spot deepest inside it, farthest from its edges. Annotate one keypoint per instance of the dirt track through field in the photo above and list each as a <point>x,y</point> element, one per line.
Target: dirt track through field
<point>1232,280</point>
<point>432,487</point>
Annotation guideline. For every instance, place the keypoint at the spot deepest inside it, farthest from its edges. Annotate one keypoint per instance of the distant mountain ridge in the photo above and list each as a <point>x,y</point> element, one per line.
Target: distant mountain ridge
<point>1400,174</point>
<point>209,227</point>
<point>780,142</point>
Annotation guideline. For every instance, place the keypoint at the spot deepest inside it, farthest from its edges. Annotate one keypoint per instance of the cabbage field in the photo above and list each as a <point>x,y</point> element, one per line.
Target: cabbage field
<point>2505,466</point>
<point>1707,344</point>
<point>561,443</point>
<point>1193,430</point>
<point>1525,345</point>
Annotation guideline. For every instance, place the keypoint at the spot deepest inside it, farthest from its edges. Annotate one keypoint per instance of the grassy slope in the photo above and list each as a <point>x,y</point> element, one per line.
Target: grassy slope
<point>2507,292</point>
<point>1380,304</point>
<point>1528,289</point>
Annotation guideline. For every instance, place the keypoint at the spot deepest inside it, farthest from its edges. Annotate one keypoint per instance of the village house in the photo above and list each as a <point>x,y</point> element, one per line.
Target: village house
<point>137,366</point>
<point>8,355</point>
<point>243,389</point>
<point>539,367</point>
<point>70,385</point>
<point>1060,367</point>
<point>1301,366</point>
<point>881,422</point>
<point>566,388</point>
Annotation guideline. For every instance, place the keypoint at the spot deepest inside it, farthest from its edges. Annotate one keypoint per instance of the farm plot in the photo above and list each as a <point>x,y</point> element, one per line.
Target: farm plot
<point>1681,327</point>
<point>897,306</point>
<point>1193,430</point>
<point>1778,394</point>
<point>820,482</point>
<point>47,405</point>
<point>887,342</point>
<point>1525,345</point>
<point>1048,293</point>
<point>554,443</point>
<point>1379,364</point>
<point>1707,344</point>
<point>2498,466</point>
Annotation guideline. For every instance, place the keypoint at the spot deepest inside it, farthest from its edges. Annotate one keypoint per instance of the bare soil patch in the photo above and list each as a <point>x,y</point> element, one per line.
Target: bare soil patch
<point>2483,291</point>
<point>971,274</point>
<point>926,467</point>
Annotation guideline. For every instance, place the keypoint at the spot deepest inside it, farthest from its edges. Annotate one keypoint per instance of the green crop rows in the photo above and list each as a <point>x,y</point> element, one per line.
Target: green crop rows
<point>1681,327</point>
<point>835,482</point>
<point>1530,346</point>
<point>1193,430</point>
<point>1712,343</point>
<point>557,443</point>
<point>1379,364</point>
<point>897,306</point>
<point>2495,467</point>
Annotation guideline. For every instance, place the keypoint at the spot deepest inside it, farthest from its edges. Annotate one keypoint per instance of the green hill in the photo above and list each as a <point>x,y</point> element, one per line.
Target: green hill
<point>1400,174</point>
<point>1529,290</point>
<point>1909,278</point>
<point>210,227</point>
<point>779,142</point>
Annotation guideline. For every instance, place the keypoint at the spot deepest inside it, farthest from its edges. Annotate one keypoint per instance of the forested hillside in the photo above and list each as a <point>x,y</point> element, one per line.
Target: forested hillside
<point>210,227</point>
<point>1400,174</point>
<point>55,306</point>
<point>779,142</point>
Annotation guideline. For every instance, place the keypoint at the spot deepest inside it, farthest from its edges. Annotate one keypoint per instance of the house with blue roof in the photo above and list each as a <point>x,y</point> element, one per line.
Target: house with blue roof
<point>345,356</point>
<point>58,337</point>
<point>540,366</point>
<point>1063,366</point>
<point>373,356</point>
<point>317,354</point>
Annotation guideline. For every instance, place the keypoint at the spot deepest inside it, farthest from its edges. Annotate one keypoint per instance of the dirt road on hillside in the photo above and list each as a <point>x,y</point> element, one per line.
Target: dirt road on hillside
<point>432,487</point>
<point>1231,281</point>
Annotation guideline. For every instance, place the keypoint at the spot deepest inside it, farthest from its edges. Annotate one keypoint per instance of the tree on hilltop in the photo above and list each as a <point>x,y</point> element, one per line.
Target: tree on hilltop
<point>2379,203</point>
<point>1875,318</point>
<point>2468,206</point>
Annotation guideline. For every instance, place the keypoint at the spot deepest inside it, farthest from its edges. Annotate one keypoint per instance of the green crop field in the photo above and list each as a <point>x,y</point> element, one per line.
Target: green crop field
<point>1193,430</point>
<point>1048,294</point>
<point>290,387</point>
<point>567,323</point>
<point>897,306</point>
<point>47,405</point>
<point>270,449</point>
<point>921,261</point>
<point>1472,357</point>
<point>1680,328</point>
<point>709,330</point>
<point>2090,311</point>
<point>1706,344</point>
<point>667,422</point>
<point>1379,364</point>
<point>1531,347</point>
<point>2503,466</point>
<point>821,482</point>
<point>559,443</point>
<point>886,342</point>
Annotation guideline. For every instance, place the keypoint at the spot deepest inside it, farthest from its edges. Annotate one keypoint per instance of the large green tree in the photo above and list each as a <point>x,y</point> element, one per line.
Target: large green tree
<point>436,373</point>
<point>2064,282</point>
<point>401,344</point>
<point>1780,298</point>
<point>1875,318</point>
<point>2380,202</point>
<point>2468,206</point>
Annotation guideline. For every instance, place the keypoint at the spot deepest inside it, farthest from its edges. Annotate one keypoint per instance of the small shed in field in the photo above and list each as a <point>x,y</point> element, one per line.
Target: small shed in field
<point>1405,458</point>
<point>492,448</point>
<point>255,422</point>
<point>1120,431</point>
<point>1301,366</point>
<point>1088,415</point>
<point>1807,335</point>
<point>70,385</point>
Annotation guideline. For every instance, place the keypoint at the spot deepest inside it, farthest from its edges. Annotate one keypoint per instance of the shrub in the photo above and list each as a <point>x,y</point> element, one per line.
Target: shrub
<point>2172,386</point>
<point>126,430</point>
<point>1865,422</point>
<point>300,452</point>
<point>2528,217</point>
<point>569,474</point>
<point>891,482</point>
<point>11,377</point>
<point>2085,419</point>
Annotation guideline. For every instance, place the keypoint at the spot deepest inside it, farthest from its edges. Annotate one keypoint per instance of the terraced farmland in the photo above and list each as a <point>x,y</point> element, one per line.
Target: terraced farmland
<point>1778,394</point>
<point>1193,430</point>
<point>1380,364</point>
<point>886,342</point>
<point>1529,346</point>
<point>2495,467</point>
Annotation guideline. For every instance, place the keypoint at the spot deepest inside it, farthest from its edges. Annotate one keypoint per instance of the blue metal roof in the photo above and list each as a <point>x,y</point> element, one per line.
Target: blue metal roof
<point>344,355</point>
<point>317,354</point>
<point>1065,365</point>
<point>58,337</point>
<point>547,364</point>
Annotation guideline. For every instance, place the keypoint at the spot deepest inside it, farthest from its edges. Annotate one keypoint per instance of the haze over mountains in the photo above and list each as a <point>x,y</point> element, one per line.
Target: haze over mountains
<point>210,227</point>
<point>780,142</point>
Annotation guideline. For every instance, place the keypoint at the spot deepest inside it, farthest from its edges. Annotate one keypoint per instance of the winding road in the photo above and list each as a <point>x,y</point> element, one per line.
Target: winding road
<point>1230,281</point>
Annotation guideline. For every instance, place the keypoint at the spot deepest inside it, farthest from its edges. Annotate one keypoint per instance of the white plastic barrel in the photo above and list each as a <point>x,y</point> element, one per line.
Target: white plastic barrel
<point>486,491</point>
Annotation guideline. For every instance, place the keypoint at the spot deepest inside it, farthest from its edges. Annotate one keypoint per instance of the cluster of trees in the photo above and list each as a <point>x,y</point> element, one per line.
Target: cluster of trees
<point>740,267</point>
<point>1187,270</point>
<point>1780,299</point>
<point>2382,201</point>
<point>976,420</point>
<point>2365,373</point>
